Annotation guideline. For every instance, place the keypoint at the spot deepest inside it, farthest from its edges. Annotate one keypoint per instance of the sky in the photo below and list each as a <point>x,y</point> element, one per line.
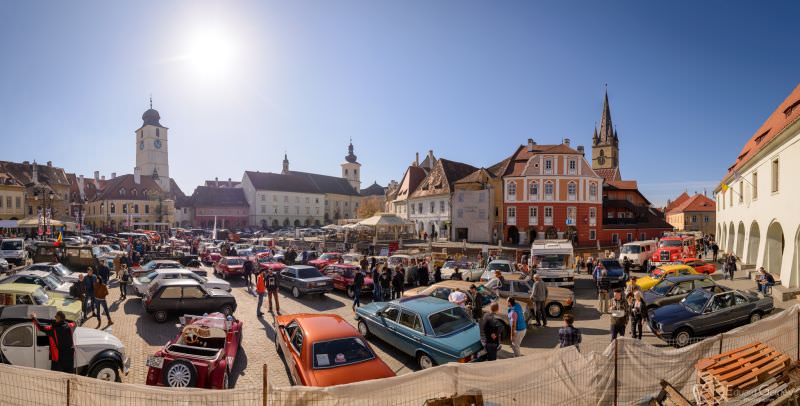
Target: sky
<point>241,83</point>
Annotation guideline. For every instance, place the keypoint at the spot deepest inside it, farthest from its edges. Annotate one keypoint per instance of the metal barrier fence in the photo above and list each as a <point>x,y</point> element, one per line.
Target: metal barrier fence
<point>627,371</point>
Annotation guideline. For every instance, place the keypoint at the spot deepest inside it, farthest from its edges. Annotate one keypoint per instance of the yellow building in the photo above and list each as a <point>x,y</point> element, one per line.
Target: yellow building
<point>12,198</point>
<point>130,202</point>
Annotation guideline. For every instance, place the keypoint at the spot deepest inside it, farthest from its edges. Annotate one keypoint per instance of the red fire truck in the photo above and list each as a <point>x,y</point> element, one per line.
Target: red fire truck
<point>671,249</point>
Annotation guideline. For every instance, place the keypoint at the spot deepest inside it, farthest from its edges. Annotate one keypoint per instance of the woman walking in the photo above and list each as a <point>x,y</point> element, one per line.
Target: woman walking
<point>124,280</point>
<point>637,315</point>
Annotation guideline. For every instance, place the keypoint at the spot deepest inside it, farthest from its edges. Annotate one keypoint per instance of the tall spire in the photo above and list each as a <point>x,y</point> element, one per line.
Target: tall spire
<point>350,157</point>
<point>285,163</point>
<point>606,127</point>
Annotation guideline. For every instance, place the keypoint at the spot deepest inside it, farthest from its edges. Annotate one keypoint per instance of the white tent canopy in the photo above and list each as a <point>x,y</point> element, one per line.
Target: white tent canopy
<point>383,219</point>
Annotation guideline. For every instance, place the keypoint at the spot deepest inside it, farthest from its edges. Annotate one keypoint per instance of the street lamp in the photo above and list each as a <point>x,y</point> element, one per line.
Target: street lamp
<point>47,199</point>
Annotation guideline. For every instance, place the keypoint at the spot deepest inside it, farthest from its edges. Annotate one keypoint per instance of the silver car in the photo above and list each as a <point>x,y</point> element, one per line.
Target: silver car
<point>46,280</point>
<point>141,284</point>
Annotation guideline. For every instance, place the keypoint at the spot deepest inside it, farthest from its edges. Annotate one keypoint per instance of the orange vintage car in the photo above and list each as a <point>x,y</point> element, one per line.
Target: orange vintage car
<point>325,350</point>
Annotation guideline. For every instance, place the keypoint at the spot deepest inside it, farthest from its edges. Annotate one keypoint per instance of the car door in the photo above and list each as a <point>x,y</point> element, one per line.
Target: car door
<point>194,300</point>
<point>288,278</point>
<point>168,299</point>
<point>521,292</point>
<point>742,307</point>
<point>42,350</point>
<point>17,345</point>
<point>295,355</point>
<point>409,331</point>
<point>384,324</point>
<point>720,309</point>
<point>336,273</point>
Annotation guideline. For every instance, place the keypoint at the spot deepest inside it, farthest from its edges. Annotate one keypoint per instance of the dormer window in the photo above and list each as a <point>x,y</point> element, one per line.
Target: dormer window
<point>789,110</point>
<point>573,167</point>
<point>548,166</point>
<point>761,137</point>
<point>122,192</point>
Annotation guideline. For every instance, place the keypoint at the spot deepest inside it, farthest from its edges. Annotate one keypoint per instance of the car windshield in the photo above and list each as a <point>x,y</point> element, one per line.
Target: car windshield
<point>552,261</point>
<point>306,273</point>
<point>488,295</point>
<point>663,287</point>
<point>669,243</point>
<point>150,265</point>
<point>52,281</point>
<point>61,270</point>
<point>149,277</point>
<point>235,261</point>
<point>499,266</point>
<point>344,351</point>
<point>327,256</point>
<point>696,300</point>
<point>39,297</point>
<point>11,245</point>
<point>631,249</point>
<point>449,321</point>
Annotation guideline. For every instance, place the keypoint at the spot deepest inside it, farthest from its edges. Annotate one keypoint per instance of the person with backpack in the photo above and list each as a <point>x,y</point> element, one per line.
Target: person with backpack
<point>271,283</point>
<point>124,281</point>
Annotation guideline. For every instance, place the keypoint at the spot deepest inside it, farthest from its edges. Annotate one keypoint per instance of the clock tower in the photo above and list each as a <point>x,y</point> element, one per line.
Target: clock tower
<point>152,157</point>
<point>605,144</point>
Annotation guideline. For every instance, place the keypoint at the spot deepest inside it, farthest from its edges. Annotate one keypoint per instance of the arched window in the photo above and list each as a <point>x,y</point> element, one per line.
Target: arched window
<point>593,192</point>
<point>533,190</point>
<point>122,192</point>
<point>548,190</point>
<point>572,191</point>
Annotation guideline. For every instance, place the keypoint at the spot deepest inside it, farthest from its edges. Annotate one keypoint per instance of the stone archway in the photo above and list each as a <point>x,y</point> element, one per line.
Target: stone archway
<point>729,241</point>
<point>773,250</point>
<point>513,235</point>
<point>740,240</point>
<point>753,241</point>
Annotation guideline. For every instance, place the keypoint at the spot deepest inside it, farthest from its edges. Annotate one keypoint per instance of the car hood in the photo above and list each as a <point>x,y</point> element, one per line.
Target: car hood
<point>371,308</point>
<point>89,342</point>
<point>646,281</point>
<point>213,280</point>
<point>673,313</point>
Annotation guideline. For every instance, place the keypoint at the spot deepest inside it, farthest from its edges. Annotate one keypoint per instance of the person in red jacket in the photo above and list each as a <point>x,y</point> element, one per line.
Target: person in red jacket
<point>62,348</point>
<point>260,290</point>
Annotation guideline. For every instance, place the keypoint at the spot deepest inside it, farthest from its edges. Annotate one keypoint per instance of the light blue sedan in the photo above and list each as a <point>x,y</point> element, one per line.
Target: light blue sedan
<point>431,330</point>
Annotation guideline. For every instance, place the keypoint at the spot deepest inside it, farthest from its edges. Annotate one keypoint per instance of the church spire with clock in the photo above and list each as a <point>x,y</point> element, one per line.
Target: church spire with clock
<point>605,146</point>
<point>152,157</point>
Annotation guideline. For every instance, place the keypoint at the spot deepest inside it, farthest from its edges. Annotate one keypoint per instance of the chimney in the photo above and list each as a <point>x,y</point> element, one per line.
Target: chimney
<point>113,175</point>
<point>416,160</point>
<point>230,183</point>
<point>531,143</point>
<point>137,175</point>
<point>35,172</point>
<point>566,141</point>
<point>430,159</point>
<point>50,163</point>
<point>80,187</point>
<point>216,182</point>
<point>581,150</point>
<point>96,175</point>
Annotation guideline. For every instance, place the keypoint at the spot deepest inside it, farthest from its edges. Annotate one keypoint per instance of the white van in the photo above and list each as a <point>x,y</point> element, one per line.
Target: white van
<point>638,252</point>
<point>13,250</point>
<point>553,261</point>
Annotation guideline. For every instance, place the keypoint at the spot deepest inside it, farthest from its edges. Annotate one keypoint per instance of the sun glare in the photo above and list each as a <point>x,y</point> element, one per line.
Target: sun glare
<point>211,52</point>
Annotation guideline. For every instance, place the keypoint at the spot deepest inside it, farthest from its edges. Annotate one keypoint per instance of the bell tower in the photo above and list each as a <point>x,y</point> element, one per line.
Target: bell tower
<point>152,152</point>
<point>605,142</point>
<point>351,168</point>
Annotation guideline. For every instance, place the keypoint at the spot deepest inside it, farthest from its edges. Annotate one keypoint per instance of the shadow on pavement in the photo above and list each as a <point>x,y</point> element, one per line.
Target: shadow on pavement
<point>146,327</point>
<point>239,368</point>
<point>320,303</point>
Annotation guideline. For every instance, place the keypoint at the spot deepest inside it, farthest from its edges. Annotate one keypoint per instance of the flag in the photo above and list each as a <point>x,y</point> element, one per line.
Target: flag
<point>59,240</point>
<point>724,187</point>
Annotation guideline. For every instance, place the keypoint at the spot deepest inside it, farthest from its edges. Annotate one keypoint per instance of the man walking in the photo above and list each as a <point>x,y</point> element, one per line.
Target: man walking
<point>88,285</point>
<point>539,297</point>
<point>603,286</point>
<point>491,332</point>
<point>247,267</point>
<point>569,335</point>
<point>477,303</point>
<point>100,293</point>
<point>261,289</point>
<point>62,348</point>
<point>377,294</point>
<point>619,314</point>
<point>398,280</point>
<point>272,290</point>
<point>518,325</point>
<point>358,283</point>
<point>715,250</point>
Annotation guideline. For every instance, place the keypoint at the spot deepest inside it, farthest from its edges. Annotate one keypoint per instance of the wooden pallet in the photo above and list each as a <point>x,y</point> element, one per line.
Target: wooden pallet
<point>728,375</point>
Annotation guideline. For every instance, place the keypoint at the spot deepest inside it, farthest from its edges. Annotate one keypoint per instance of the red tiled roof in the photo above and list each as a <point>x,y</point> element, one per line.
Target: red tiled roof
<point>609,174</point>
<point>623,184</point>
<point>677,202</point>
<point>787,113</point>
<point>519,160</point>
<point>697,202</point>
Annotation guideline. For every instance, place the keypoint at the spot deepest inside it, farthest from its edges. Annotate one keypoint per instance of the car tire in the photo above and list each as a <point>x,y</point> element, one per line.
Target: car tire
<point>424,361</point>
<point>351,293</point>
<point>755,317</point>
<point>161,316</point>
<point>226,310</point>
<point>107,370</point>
<point>180,374</point>
<point>554,310</point>
<point>363,328</point>
<point>645,266</point>
<point>682,337</point>
<point>295,292</point>
<point>225,381</point>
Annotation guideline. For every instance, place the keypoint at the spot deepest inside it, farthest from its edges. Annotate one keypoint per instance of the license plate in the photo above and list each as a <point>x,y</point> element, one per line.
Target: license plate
<point>321,283</point>
<point>155,362</point>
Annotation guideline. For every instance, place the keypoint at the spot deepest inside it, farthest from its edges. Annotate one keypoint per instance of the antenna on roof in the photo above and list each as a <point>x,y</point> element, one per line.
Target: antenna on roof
<point>151,100</point>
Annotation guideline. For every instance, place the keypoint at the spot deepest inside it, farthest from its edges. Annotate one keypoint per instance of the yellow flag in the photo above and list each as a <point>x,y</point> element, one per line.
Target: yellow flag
<point>59,236</point>
<point>724,187</point>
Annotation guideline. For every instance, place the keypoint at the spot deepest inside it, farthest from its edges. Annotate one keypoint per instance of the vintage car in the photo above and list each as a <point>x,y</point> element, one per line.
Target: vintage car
<point>182,296</point>
<point>31,294</point>
<point>55,268</point>
<point>151,266</point>
<point>98,354</point>
<point>431,330</point>
<point>443,289</point>
<point>267,261</point>
<point>658,274</point>
<point>469,270</point>
<point>673,289</point>
<point>352,259</point>
<point>141,284</point>
<point>4,266</point>
<point>325,260</point>
<point>699,265</point>
<point>325,350</point>
<point>210,255</point>
<point>671,249</point>
<point>202,355</point>
<point>501,265</point>
<point>638,253</point>
<point>229,266</point>
<point>14,250</point>
<point>50,282</point>
<point>704,313</point>
<point>304,280</point>
<point>343,277</point>
<point>77,258</point>
<point>615,272</point>
<point>519,286</point>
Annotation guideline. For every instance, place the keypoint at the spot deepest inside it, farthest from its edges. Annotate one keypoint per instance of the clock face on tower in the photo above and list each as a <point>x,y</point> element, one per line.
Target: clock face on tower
<point>157,144</point>
<point>141,145</point>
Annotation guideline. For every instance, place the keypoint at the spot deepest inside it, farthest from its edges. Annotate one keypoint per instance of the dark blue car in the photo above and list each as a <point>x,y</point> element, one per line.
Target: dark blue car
<point>432,330</point>
<point>707,312</point>
<point>615,272</point>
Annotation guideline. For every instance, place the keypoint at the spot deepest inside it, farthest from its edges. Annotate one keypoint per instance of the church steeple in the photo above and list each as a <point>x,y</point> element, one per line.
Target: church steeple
<point>285,164</point>
<point>605,144</point>
<point>606,127</point>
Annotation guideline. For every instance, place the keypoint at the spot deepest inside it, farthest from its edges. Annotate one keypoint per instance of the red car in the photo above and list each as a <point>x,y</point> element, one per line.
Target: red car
<point>325,350</point>
<point>211,255</point>
<point>325,260</point>
<point>229,266</point>
<point>699,265</point>
<point>201,356</point>
<point>266,261</point>
<point>343,277</point>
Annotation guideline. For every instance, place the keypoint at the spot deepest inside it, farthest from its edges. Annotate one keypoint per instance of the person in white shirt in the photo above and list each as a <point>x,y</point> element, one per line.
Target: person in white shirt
<point>458,297</point>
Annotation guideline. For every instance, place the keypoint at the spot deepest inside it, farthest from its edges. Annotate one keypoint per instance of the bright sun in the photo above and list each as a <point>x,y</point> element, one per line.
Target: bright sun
<point>211,53</point>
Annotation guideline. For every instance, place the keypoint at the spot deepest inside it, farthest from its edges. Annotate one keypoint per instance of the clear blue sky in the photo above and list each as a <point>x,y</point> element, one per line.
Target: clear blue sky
<point>238,83</point>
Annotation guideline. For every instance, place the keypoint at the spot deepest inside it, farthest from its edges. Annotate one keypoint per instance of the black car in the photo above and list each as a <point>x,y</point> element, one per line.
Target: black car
<point>186,296</point>
<point>615,272</point>
<point>674,288</point>
<point>703,313</point>
<point>304,279</point>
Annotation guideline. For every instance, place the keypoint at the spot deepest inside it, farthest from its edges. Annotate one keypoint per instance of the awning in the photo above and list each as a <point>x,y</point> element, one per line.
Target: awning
<point>383,219</point>
<point>9,223</point>
<point>31,222</point>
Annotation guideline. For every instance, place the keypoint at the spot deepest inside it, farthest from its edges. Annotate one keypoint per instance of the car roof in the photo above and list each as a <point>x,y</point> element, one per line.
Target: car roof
<point>321,327</point>
<point>684,278</point>
<point>164,261</point>
<point>18,287</point>
<point>348,266</point>
<point>30,272</point>
<point>424,305</point>
<point>674,267</point>
<point>178,282</point>
<point>23,312</point>
<point>298,267</point>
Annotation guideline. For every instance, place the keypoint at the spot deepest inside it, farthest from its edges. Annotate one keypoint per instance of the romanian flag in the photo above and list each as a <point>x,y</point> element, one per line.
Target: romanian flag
<point>59,240</point>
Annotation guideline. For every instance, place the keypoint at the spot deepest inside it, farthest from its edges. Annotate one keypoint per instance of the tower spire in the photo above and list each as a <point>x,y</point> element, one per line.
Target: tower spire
<point>606,127</point>
<point>151,100</point>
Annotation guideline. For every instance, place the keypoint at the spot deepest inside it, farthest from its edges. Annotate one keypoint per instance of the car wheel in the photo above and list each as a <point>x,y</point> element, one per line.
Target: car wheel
<point>363,329</point>
<point>351,293</point>
<point>106,371</point>
<point>756,316</point>
<point>683,337</point>
<point>554,310</point>
<point>645,266</point>
<point>226,310</point>
<point>225,381</point>
<point>160,316</point>
<point>295,292</point>
<point>424,361</point>
<point>180,374</point>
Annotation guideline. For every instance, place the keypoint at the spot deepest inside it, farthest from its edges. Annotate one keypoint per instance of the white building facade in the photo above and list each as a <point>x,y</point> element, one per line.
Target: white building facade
<point>757,218</point>
<point>282,200</point>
